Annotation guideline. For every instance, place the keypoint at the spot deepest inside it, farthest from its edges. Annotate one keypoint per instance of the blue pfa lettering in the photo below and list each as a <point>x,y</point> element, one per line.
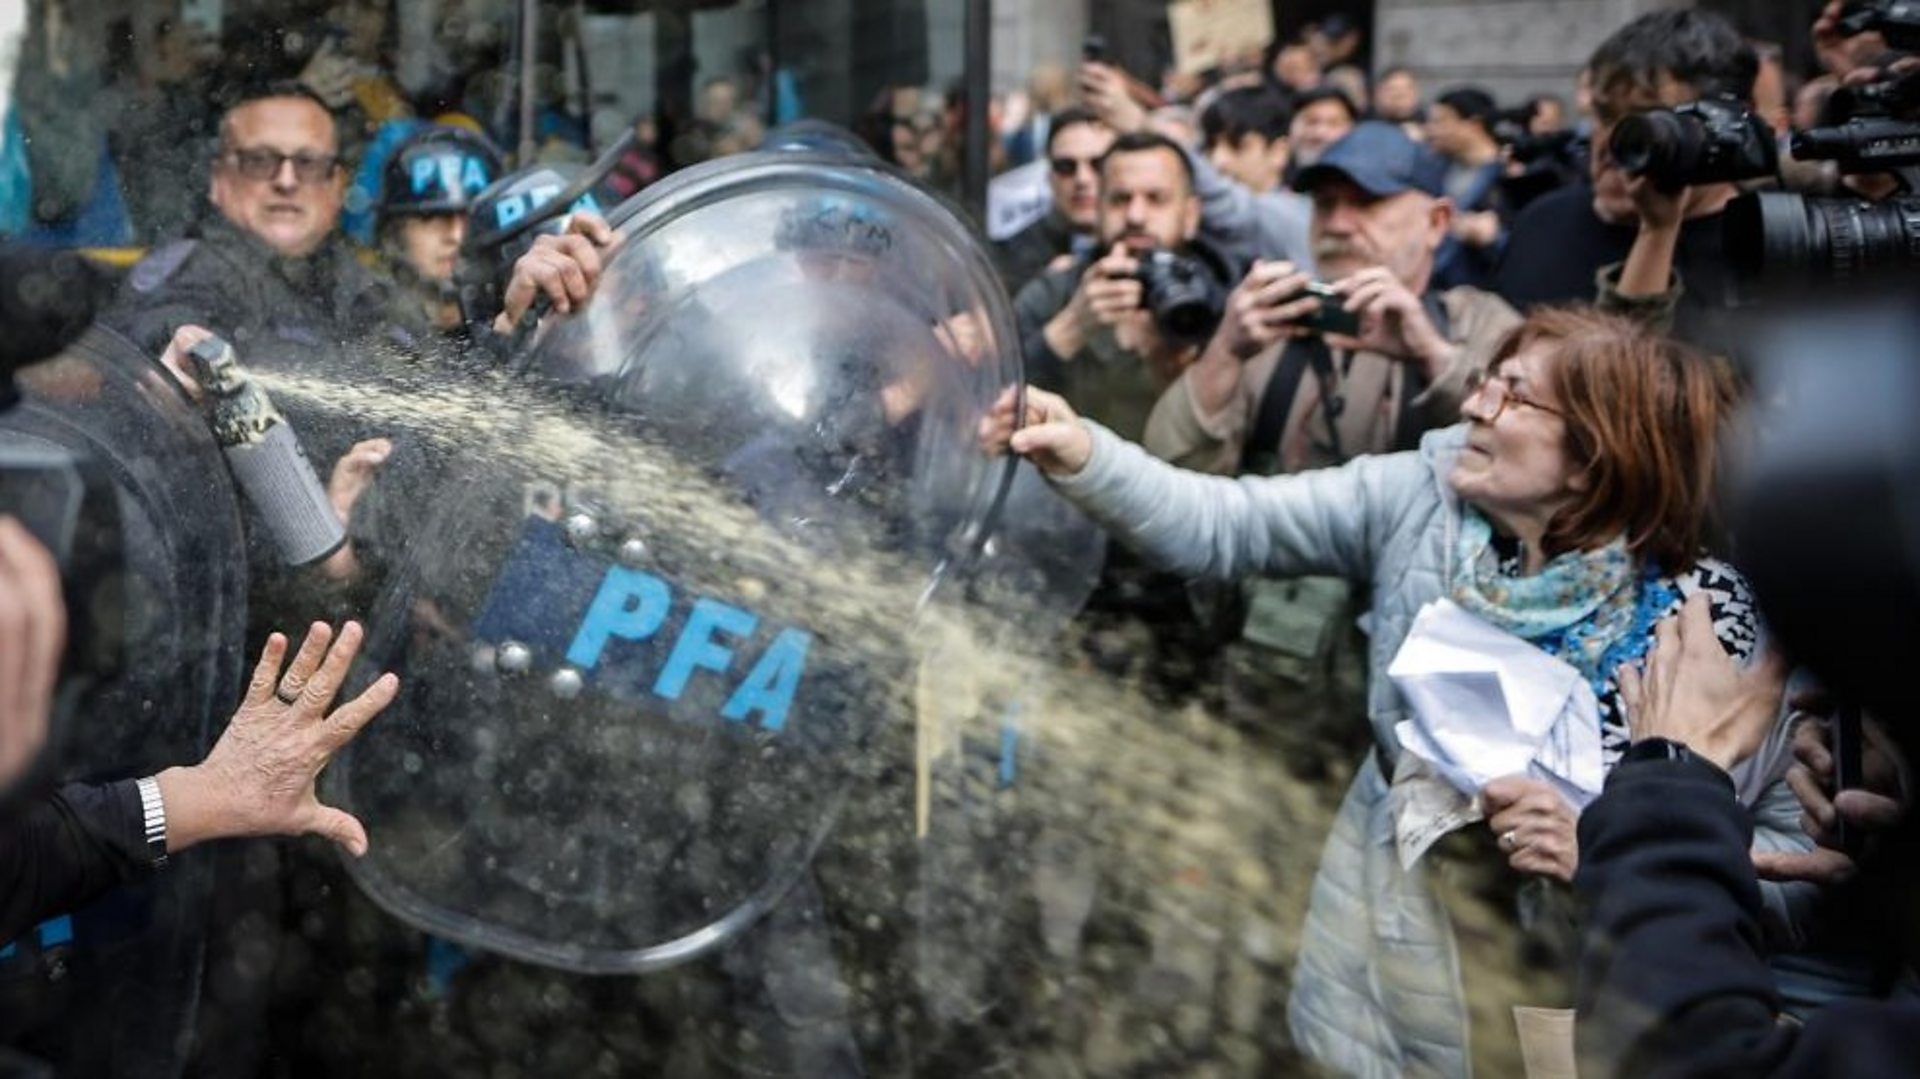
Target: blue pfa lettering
<point>447,172</point>
<point>473,175</point>
<point>507,211</point>
<point>632,605</point>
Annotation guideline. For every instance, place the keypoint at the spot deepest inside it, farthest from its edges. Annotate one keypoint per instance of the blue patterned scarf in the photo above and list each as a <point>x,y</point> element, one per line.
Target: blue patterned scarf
<point>1592,609</point>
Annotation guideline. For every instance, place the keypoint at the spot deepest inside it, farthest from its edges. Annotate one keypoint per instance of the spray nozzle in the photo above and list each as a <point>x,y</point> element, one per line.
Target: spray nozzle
<point>216,366</point>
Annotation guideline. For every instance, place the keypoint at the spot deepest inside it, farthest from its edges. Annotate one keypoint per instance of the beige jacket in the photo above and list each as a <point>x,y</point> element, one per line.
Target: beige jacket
<point>1372,384</point>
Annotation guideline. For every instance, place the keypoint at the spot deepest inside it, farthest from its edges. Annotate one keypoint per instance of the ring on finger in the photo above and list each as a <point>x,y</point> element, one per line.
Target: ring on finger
<point>1509,841</point>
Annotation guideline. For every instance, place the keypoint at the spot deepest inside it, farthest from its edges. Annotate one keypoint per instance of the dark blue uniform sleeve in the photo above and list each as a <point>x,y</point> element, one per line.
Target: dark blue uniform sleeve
<point>184,283</point>
<point>1673,980</point>
<point>63,851</point>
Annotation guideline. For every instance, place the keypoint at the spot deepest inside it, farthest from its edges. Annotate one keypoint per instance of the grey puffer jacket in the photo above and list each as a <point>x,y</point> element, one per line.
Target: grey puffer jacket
<point>1377,991</point>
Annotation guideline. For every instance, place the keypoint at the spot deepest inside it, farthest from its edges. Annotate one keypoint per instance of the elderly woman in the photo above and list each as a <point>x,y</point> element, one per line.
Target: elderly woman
<point>1568,510</point>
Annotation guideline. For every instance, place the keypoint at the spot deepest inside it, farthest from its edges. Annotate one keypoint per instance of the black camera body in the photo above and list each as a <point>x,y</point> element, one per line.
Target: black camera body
<point>1844,239</point>
<point>1862,144</point>
<point>1710,141</point>
<point>1897,96</point>
<point>1185,294</point>
<point>1896,20</point>
<point>1332,316</point>
<point>1867,128</point>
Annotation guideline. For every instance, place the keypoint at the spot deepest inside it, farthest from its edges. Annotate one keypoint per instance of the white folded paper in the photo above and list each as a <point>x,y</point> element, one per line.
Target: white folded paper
<point>1488,704</point>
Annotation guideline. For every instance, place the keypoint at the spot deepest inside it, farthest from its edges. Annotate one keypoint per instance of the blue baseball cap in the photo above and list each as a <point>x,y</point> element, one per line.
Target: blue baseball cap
<point>1381,160</point>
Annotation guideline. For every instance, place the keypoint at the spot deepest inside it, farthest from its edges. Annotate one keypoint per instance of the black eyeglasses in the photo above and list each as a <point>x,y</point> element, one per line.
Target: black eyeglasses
<point>1064,167</point>
<point>258,163</point>
<point>1497,391</point>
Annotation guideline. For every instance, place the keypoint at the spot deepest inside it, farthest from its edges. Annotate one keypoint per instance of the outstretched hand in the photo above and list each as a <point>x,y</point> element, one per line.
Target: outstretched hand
<point>259,778</point>
<point>1049,434</point>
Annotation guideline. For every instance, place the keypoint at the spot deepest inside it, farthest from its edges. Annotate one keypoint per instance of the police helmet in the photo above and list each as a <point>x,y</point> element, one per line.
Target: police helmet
<point>505,220</point>
<point>437,170</point>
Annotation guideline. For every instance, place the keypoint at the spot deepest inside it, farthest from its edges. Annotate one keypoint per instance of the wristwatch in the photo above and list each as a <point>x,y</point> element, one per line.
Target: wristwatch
<point>1658,749</point>
<point>153,819</point>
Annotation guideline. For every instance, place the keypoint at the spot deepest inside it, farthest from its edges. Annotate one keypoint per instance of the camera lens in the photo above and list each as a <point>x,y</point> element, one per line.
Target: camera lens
<point>1777,234</point>
<point>1187,317</point>
<point>1183,297</point>
<point>1655,144</point>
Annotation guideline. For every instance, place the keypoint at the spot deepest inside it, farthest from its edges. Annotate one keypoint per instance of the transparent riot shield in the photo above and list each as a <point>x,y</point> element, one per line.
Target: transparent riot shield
<point>674,593</point>
<point>156,601</point>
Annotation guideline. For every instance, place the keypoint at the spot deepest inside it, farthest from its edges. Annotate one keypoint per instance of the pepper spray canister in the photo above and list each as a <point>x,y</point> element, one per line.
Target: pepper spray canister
<point>266,458</point>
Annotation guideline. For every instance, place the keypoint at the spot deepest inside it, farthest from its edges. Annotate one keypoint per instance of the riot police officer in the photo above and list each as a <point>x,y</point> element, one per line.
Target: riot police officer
<point>427,191</point>
<point>508,220</point>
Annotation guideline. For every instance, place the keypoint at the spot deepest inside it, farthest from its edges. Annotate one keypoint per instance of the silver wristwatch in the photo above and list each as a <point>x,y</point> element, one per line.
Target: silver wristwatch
<point>153,819</point>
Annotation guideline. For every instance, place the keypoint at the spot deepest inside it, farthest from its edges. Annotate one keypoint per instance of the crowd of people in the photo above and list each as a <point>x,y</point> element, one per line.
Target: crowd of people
<point>1501,265</point>
<point>1324,353</point>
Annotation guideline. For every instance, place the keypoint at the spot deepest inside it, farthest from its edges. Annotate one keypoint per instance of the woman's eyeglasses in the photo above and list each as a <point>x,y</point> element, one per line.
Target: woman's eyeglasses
<point>1496,392</point>
<point>263,164</point>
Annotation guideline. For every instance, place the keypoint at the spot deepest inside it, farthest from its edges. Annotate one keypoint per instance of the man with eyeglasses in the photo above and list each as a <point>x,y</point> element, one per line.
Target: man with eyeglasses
<point>269,270</point>
<point>1075,143</point>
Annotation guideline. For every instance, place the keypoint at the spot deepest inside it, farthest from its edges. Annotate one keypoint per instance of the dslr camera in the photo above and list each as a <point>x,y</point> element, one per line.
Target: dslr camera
<point>1185,293</point>
<point>1546,162</point>
<point>1710,141</point>
<point>1896,20</point>
<point>1873,128</point>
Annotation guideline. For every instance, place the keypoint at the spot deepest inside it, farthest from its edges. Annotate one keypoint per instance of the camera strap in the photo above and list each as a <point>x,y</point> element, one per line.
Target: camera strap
<point>1261,456</point>
<point>1408,425</point>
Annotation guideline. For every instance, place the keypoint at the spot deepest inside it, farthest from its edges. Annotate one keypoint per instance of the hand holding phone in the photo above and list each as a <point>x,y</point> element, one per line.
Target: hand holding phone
<point>1331,317</point>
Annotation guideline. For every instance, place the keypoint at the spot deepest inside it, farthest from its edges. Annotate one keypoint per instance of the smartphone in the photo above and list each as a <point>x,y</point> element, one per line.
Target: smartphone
<point>206,16</point>
<point>1332,317</point>
<point>1847,770</point>
<point>1094,49</point>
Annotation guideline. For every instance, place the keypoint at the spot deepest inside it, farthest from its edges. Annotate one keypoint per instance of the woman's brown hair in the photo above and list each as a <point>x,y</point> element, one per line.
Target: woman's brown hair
<point>1644,415</point>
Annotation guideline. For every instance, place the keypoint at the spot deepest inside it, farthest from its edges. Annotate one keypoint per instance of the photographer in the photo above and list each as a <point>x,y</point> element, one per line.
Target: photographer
<point>1559,244</point>
<point>1089,329</point>
<point>1249,405</point>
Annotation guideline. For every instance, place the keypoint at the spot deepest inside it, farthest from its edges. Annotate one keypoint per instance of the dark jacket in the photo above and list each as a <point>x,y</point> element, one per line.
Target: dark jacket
<point>265,304</point>
<point>1104,384</point>
<point>1024,255</point>
<point>1673,979</point>
<point>60,852</point>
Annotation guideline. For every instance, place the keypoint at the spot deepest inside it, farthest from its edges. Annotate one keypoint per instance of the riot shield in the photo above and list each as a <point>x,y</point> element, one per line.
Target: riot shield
<point>677,585</point>
<point>153,668</point>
